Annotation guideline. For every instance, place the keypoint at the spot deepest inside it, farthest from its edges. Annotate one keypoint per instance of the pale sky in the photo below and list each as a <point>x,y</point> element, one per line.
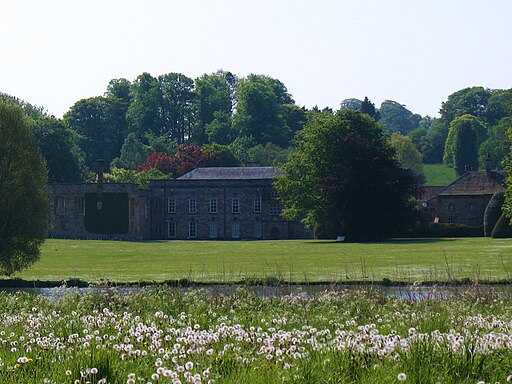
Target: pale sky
<point>56,52</point>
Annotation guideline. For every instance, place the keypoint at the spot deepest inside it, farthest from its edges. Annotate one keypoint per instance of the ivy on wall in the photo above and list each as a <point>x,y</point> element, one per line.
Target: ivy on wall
<point>107,214</point>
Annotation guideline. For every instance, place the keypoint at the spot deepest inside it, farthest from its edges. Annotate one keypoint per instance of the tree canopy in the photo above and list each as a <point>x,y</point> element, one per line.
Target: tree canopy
<point>23,197</point>
<point>343,174</point>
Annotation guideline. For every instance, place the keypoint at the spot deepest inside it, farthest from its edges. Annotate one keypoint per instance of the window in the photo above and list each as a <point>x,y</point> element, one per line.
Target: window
<point>235,206</point>
<point>171,229</point>
<point>451,207</point>
<point>214,230</point>
<point>235,230</point>
<point>171,205</point>
<point>472,221</point>
<point>81,206</point>
<point>257,229</point>
<point>470,207</point>
<point>257,205</point>
<point>60,206</point>
<point>192,206</point>
<point>273,194</point>
<point>213,205</point>
<point>275,209</point>
<point>451,220</point>
<point>192,229</point>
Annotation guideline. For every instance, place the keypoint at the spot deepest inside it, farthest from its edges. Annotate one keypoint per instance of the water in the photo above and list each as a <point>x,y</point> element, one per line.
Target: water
<point>411,292</point>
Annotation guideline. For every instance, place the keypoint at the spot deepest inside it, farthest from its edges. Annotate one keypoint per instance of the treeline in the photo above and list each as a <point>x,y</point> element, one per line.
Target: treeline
<point>172,123</point>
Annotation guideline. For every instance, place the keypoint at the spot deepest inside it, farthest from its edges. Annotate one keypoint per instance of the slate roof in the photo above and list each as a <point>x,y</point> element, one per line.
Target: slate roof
<point>427,193</point>
<point>476,184</point>
<point>230,173</point>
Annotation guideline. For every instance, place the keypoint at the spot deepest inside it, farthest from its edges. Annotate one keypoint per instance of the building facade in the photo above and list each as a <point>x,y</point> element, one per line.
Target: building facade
<point>205,204</point>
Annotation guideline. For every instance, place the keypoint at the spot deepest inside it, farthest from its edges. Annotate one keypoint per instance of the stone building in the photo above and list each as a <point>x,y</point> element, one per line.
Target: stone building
<point>464,201</point>
<point>99,211</point>
<point>206,203</point>
<point>227,203</point>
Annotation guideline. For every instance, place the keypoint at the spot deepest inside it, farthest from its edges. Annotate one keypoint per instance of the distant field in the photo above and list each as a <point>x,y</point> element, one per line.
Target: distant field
<point>438,174</point>
<point>296,261</point>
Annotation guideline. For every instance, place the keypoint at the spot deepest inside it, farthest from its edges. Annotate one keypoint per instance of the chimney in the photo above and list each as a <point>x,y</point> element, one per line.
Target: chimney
<point>99,192</point>
<point>488,163</point>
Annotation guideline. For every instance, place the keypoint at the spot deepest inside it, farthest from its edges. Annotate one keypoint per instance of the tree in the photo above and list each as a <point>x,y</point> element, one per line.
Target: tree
<point>354,104</point>
<point>433,145</point>
<point>461,148</point>
<point>143,114</point>
<point>368,108</point>
<point>467,101</point>
<point>343,174</point>
<point>497,144</point>
<point>142,178</point>
<point>407,154</point>
<point>23,197</point>
<point>221,155</point>
<point>259,110</point>
<point>397,118</point>
<point>213,99</point>
<point>267,155</point>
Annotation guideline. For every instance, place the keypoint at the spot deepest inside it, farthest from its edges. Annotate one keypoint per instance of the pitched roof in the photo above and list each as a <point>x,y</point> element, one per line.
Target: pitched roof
<point>476,183</point>
<point>230,173</point>
<point>427,193</point>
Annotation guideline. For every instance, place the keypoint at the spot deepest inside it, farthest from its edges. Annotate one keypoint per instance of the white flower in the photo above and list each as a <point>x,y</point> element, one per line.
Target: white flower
<point>401,376</point>
<point>509,378</point>
<point>94,371</point>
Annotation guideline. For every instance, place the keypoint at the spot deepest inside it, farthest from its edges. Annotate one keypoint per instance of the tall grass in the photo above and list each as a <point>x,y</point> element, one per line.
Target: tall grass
<point>164,335</point>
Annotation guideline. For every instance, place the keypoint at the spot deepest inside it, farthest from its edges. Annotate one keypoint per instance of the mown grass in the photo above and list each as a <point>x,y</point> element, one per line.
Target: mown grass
<point>163,335</point>
<point>438,174</point>
<point>479,259</point>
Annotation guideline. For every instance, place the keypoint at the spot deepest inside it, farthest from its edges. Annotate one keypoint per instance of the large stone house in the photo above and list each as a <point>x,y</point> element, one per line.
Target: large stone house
<point>206,203</point>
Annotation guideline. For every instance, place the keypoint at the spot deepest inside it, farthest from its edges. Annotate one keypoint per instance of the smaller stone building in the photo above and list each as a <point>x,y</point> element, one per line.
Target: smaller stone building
<point>464,201</point>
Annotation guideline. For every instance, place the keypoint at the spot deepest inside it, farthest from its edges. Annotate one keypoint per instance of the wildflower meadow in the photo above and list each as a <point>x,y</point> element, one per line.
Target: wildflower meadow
<point>164,335</point>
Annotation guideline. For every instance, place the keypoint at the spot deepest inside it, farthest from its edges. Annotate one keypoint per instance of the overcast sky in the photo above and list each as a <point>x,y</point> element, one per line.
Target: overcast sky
<point>56,52</point>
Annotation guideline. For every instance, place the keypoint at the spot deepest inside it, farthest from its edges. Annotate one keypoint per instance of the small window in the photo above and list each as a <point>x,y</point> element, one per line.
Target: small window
<point>472,221</point>
<point>192,229</point>
<point>451,207</point>
<point>213,205</point>
<point>471,207</point>
<point>235,230</point>
<point>214,230</point>
<point>273,194</point>
<point>192,206</point>
<point>257,229</point>
<point>171,205</point>
<point>171,230</point>
<point>275,209</point>
<point>60,206</point>
<point>451,220</point>
<point>235,205</point>
<point>257,205</point>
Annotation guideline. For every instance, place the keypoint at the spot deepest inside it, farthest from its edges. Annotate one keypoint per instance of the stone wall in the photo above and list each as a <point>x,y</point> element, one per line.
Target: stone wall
<point>467,210</point>
<point>67,210</point>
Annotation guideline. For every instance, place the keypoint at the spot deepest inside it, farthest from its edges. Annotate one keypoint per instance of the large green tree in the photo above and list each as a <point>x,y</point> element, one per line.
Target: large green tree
<point>464,138</point>
<point>397,118</point>
<point>23,197</point>
<point>343,174</point>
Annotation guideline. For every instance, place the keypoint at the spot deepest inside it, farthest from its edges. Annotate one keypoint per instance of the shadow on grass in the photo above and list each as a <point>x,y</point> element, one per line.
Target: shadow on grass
<point>389,241</point>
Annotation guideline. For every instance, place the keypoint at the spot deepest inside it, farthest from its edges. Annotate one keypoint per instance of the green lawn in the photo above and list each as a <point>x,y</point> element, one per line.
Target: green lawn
<point>438,174</point>
<point>304,261</point>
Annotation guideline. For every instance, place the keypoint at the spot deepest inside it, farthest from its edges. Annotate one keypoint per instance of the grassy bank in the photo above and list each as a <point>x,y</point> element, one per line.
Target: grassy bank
<point>438,174</point>
<point>295,261</point>
<point>167,336</point>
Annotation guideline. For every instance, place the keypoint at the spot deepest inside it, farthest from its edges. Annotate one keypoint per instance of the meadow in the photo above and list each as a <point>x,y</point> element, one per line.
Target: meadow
<point>477,259</point>
<point>439,174</point>
<point>164,335</point>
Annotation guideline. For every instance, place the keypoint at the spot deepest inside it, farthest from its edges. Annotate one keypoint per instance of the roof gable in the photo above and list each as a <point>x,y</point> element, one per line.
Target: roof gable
<point>230,173</point>
<point>475,184</point>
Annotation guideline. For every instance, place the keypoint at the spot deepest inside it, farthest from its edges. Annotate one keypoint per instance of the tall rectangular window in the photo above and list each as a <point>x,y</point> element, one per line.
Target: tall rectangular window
<point>213,205</point>
<point>192,229</point>
<point>171,205</point>
<point>171,229</point>
<point>273,194</point>
<point>214,230</point>
<point>235,230</point>
<point>257,205</point>
<point>275,209</point>
<point>60,206</point>
<point>235,205</point>
<point>192,206</point>
<point>257,229</point>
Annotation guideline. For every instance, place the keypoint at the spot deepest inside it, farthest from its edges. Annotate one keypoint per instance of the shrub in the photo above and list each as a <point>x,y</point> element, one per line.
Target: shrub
<point>502,229</point>
<point>493,212</point>
<point>447,230</point>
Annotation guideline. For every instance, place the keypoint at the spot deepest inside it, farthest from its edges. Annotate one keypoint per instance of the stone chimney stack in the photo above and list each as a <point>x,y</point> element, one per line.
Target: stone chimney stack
<point>488,163</point>
<point>99,163</point>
